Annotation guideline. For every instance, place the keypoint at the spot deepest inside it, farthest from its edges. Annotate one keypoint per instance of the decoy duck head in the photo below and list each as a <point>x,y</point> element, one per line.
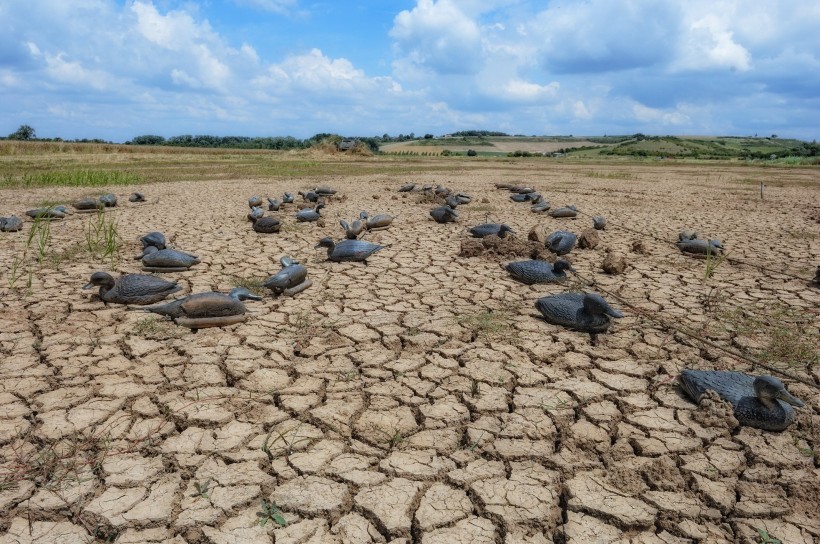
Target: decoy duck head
<point>363,215</point>
<point>100,279</point>
<point>156,239</point>
<point>327,242</point>
<point>768,388</point>
<point>595,304</point>
<point>562,265</point>
<point>286,261</point>
<point>147,250</point>
<point>344,224</point>
<point>241,293</point>
<point>503,230</point>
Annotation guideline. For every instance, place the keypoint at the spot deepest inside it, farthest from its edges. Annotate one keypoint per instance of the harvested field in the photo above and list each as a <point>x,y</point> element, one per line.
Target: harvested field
<point>417,398</point>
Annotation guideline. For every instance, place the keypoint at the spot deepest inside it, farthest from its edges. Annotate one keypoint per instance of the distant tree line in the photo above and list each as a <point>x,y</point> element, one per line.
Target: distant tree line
<point>479,133</point>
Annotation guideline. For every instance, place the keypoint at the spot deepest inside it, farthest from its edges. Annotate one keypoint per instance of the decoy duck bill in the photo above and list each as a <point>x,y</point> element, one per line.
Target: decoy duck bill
<point>785,396</point>
<point>253,297</point>
<point>88,286</point>
<point>611,311</point>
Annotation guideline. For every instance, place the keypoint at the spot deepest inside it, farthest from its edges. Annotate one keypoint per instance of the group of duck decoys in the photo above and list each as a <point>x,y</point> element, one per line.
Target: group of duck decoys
<point>761,401</point>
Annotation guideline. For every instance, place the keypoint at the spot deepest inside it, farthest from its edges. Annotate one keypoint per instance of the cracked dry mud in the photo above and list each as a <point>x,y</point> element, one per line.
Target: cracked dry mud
<point>415,399</point>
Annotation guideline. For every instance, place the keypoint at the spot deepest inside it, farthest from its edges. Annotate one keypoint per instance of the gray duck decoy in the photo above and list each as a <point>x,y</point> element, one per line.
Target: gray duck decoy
<point>441,191</point>
<point>287,198</point>
<point>88,204</point>
<point>599,222</point>
<point>204,310</point>
<point>273,204</point>
<point>407,187</point>
<point>136,197</point>
<point>585,312</point>
<point>561,242</point>
<point>522,189</point>
<point>757,401</point>
<point>377,222</point>
<point>566,211</point>
<point>49,212</point>
<point>503,186</point>
<point>267,225</point>
<point>815,282</point>
<point>352,230</point>
<point>520,197</point>
<point>166,260</point>
<point>11,224</point>
<point>155,239</point>
<point>490,229</point>
<point>309,196</point>
<point>444,214</point>
<point>324,190</point>
<point>538,271</point>
<point>348,250</point>
<point>463,198</point>
<point>109,200</point>
<point>700,247</point>
<point>309,214</point>
<point>255,213</point>
<point>292,279</point>
<point>255,202</point>
<point>132,288</point>
<point>540,206</point>
<point>452,201</point>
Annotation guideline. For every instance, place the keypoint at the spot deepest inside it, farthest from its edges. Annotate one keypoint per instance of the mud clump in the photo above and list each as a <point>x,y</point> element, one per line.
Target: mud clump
<point>639,247</point>
<point>537,234</point>
<point>715,412</point>
<point>589,239</point>
<point>614,263</point>
<point>507,247</point>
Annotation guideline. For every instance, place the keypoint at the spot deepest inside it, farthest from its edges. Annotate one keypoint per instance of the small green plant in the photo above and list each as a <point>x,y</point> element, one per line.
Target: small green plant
<point>766,538</point>
<point>254,284</point>
<point>713,260</point>
<point>487,324</point>
<point>270,512</point>
<point>102,238</point>
<point>475,386</point>
<point>201,489</point>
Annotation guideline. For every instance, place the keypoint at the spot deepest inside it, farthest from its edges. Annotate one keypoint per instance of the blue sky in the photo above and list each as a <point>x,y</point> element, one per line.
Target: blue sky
<point>116,69</point>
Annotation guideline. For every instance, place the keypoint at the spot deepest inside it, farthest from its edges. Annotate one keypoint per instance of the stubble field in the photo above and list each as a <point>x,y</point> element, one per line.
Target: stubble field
<point>417,398</point>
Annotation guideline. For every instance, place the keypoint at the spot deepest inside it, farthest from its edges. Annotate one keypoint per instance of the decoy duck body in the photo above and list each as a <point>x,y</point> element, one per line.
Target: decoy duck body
<point>324,190</point>
<point>11,224</point>
<point>50,212</point>
<point>444,214</point>
<point>599,222</point>
<point>267,225</point>
<point>88,203</point>
<point>309,196</point>
<point>381,221</point>
<point>255,202</point>
<point>348,250</point>
<point>700,247</point>
<point>207,309</point>
<point>758,401</point>
<point>158,259</point>
<point>538,271</point>
<point>309,214</point>
<point>132,288</point>
<point>273,205</point>
<point>109,200</point>
<point>255,213</point>
<point>287,198</point>
<point>290,280</point>
<point>136,197</point>
<point>586,312</point>
<point>566,211</point>
<point>490,229</point>
<point>561,242</point>
<point>354,229</point>
<point>407,187</point>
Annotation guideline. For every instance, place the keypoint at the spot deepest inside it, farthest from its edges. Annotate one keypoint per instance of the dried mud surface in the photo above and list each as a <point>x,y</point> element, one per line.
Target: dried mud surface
<point>418,398</point>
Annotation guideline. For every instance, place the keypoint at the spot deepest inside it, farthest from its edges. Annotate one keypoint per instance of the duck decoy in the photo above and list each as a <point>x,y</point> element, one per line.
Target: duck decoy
<point>155,239</point>
<point>309,196</point>
<point>255,202</point>
<point>11,224</point>
<point>166,260</point>
<point>463,198</point>
<point>273,204</point>
<point>585,312</point>
<point>503,186</point>
<point>267,225</point>
<point>377,222</point>
<point>561,242</point>
<point>324,190</point>
<point>700,247</point>
<point>88,204</point>
<point>540,207</point>
<point>204,310</point>
<point>442,191</point>
<point>255,213</point>
<point>757,401</point>
<point>287,198</point>
<point>292,279</point>
<point>522,189</point>
<point>444,214</point>
<point>452,201</point>
<point>520,197</point>
<point>566,211</point>
<point>132,288</point>
<point>348,250</point>
<point>309,214</point>
<point>407,187</point>
<point>490,229</point>
<point>136,197</point>
<point>352,230</point>
<point>599,222</point>
<point>538,271</point>
<point>815,282</point>
<point>109,200</point>
<point>49,212</point>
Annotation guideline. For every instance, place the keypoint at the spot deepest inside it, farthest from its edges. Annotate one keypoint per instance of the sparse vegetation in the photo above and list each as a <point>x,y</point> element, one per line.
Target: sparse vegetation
<point>270,512</point>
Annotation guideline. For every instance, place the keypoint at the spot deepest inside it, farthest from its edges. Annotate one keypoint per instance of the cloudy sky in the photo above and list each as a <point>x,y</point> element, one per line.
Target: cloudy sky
<point>115,69</point>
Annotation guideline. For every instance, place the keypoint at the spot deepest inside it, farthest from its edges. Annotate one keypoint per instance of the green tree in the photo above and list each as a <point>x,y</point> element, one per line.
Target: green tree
<point>25,132</point>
